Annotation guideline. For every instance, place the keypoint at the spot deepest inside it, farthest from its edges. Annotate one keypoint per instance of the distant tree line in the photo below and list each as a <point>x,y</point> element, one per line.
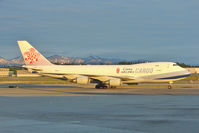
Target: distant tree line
<point>131,62</point>
<point>67,63</point>
<point>185,65</point>
<point>138,62</point>
<point>119,63</point>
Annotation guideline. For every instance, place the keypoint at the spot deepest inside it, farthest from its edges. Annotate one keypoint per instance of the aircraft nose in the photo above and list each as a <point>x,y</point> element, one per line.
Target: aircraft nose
<point>187,72</point>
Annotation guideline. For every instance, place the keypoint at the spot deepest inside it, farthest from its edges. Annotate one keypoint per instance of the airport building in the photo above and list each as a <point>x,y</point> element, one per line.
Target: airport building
<point>193,70</point>
<point>25,73</point>
<point>4,72</point>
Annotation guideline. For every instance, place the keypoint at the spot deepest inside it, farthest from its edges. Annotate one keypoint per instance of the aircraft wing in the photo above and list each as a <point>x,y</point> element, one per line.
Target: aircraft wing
<point>94,77</point>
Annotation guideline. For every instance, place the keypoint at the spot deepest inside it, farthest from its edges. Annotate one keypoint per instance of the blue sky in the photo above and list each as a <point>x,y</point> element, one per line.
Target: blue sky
<point>156,30</point>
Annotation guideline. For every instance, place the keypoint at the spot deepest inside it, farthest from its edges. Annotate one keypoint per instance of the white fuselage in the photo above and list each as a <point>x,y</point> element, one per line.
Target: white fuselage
<point>145,72</point>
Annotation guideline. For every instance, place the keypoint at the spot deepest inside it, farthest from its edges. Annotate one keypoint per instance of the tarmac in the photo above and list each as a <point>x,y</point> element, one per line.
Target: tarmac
<point>146,108</point>
<point>71,90</point>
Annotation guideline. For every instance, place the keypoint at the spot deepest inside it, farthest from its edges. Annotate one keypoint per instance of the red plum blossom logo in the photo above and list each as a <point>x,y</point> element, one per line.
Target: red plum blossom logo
<point>31,56</point>
<point>118,70</point>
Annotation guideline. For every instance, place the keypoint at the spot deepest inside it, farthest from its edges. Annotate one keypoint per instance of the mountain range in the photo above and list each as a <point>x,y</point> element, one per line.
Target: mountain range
<point>56,59</point>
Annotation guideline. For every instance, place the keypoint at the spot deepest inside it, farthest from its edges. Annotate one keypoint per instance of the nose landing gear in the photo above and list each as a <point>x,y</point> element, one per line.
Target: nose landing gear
<point>170,86</point>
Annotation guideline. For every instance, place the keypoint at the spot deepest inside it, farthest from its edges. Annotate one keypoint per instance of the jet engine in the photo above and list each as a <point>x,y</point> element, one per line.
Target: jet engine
<point>82,80</point>
<point>115,82</point>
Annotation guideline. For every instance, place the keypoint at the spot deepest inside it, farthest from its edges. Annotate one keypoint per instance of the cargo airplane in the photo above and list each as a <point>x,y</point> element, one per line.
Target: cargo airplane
<point>104,75</point>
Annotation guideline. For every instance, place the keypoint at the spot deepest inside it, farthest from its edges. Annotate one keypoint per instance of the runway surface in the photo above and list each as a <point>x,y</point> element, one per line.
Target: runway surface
<point>63,90</point>
<point>83,109</point>
<point>100,114</point>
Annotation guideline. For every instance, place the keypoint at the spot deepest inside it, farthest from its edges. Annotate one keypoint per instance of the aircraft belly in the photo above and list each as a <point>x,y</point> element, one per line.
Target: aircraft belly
<point>165,77</point>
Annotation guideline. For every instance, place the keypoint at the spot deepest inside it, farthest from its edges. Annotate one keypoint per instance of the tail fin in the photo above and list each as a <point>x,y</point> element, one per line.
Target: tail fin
<point>31,55</point>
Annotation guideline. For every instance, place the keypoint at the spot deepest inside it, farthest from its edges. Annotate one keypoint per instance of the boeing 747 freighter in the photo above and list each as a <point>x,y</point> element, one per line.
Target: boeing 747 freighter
<point>104,75</point>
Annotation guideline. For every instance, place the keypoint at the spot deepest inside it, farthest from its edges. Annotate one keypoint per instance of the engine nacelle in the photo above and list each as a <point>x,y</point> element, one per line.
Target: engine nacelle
<point>115,82</point>
<point>82,80</point>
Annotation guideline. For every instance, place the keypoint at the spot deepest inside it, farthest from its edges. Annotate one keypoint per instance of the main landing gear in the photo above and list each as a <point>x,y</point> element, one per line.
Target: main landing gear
<point>104,86</point>
<point>101,85</point>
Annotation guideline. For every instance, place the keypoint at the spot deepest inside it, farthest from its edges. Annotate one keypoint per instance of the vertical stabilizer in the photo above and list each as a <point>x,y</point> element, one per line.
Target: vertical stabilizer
<point>31,55</point>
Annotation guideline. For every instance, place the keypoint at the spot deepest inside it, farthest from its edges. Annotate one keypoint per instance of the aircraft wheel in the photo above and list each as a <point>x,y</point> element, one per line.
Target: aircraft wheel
<point>113,86</point>
<point>97,86</point>
<point>105,87</point>
<point>100,86</point>
<point>169,87</point>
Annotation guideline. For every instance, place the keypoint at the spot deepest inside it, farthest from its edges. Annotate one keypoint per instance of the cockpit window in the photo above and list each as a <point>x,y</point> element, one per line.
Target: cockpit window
<point>175,65</point>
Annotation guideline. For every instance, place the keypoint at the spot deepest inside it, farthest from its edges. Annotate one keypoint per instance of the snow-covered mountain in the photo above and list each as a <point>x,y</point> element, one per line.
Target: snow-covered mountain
<point>3,61</point>
<point>18,61</point>
<point>100,60</point>
<point>65,60</point>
